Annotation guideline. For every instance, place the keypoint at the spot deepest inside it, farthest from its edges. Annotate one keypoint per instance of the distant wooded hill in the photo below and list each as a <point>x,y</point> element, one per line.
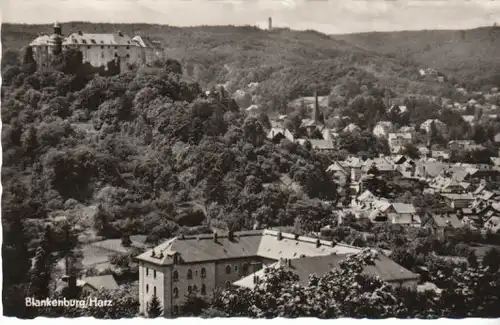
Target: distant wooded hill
<point>288,64</point>
<point>471,56</point>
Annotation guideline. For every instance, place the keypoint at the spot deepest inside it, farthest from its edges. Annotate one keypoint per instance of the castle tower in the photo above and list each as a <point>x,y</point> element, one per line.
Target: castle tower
<point>57,29</point>
<point>270,23</point>
<point>56,39</point>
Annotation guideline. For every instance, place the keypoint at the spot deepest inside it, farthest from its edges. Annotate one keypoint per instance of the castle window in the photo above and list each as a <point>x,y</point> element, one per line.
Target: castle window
<point>116,55</point>
<point>176,293</point>
<point>154,274</point>
<point>203,272</point>
<point>190,274</point>
<point>228,269</point>
<point>154,290</point>
<point>203,289</point>
<point>84,41</point>
<point>228,285</point>
<point>147,288</point>
<point>175,276</point>
<point>236,268</point>
<point>147,271</point>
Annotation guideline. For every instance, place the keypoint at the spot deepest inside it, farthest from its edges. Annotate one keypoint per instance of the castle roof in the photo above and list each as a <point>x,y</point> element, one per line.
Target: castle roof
<point>105,39</point>
<point>262,243</point>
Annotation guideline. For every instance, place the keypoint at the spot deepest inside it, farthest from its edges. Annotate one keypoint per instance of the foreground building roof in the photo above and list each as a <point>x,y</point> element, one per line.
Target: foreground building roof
<point>260,243</point>
<point>385,268</point>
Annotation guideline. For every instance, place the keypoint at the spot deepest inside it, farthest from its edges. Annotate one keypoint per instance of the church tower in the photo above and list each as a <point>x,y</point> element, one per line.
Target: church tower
<point>270,23</point>
<point>316,116</point>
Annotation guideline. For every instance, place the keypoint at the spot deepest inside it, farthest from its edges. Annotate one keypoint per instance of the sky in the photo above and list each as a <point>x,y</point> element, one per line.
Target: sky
<point>328,16</point>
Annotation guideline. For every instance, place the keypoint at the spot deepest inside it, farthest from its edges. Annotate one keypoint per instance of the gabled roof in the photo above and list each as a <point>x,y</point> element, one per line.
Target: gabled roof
<point>366,195</point>
<point>385,268</point>
<point>404,208</point>
<point>263,243</point>
<point>447,220</point>
<point>454,196</point>
<point>98,282</point>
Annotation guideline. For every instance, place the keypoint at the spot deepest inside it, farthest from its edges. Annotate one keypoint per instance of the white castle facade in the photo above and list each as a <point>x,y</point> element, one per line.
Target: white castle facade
<point>98,49</point>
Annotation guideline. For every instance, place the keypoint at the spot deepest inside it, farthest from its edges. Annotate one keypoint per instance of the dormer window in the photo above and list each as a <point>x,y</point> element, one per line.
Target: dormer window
<point>203,273</point>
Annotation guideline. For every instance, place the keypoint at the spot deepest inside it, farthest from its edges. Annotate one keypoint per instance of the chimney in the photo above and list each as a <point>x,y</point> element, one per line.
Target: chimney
<point>318,243</point>
<point>120,34</point>
<point>270,23</point>
<point>289,262</point>
<point>297,236</point>
<point>153,253</point>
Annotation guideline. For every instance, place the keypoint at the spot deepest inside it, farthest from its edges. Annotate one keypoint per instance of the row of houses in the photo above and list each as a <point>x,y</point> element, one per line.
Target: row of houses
<point>469,193</point>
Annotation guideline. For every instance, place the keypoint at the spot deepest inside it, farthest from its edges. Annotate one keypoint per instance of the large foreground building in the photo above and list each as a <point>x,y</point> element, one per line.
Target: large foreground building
<point>97,49</point>
<point>203,263</point>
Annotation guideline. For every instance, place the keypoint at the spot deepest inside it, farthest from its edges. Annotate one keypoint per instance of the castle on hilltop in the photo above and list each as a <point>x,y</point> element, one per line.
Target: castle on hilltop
<point>97,49</point>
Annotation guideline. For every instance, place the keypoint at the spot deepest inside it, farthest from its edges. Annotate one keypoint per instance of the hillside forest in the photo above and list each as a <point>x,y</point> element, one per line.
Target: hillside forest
<point>159,154</point>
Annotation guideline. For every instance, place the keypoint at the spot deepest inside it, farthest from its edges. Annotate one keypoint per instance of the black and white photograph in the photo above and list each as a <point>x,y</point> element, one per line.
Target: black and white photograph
<point>250,158</point>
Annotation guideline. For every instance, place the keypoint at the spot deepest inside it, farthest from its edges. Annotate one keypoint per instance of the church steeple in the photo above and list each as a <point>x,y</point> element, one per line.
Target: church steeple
<point>317,116</point>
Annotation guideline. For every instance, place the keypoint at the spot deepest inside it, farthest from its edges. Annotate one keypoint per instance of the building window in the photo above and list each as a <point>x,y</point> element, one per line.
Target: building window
<point>154,290</point>
<point>154,274</point>
<point>147,288</point>
<point>176,309</point>
<point>190,274</point>
<point>147,271</point>
<point>176,293</point>
<point>128,55</point>
<point>228,269</point>
<point>175,276</point>
<point>189,289</point>
<point>196,273</point>
<point>128,47</point>
<point>88,46</point>
<point>203,289</point>
<point>195,288</point>
<point>116,47</point>
<point>228,285</point>
<point>236,268</point>
<point>102,47</point>
<point>203,273</point>
<point>116,55</point>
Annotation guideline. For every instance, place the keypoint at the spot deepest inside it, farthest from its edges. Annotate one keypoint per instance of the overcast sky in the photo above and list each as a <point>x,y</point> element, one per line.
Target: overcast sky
<point>329,16</point>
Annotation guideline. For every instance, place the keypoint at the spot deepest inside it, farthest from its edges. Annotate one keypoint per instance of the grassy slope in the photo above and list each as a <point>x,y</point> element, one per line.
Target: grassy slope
<point>287,63</point>
<point>465,54</point>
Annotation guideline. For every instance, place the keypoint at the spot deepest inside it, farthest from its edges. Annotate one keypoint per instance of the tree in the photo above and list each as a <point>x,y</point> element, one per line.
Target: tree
<point>492,259</point>
<point>472,259</point>
<point>154,308</point>
<point>29,63</point>
<point>347,191</point>
<point>41,271</point>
